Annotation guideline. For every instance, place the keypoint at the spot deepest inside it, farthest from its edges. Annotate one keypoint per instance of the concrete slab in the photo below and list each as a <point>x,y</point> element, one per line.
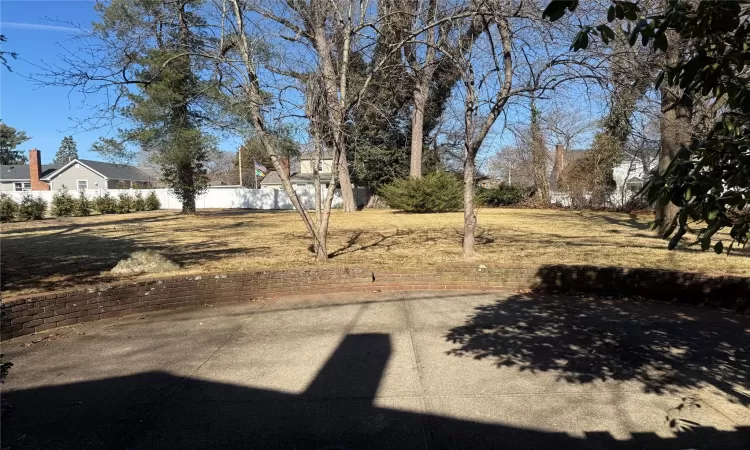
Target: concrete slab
<point>403,370</point>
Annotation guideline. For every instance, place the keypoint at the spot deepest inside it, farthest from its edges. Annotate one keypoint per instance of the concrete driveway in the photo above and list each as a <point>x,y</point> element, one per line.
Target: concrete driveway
<point>418,370</point>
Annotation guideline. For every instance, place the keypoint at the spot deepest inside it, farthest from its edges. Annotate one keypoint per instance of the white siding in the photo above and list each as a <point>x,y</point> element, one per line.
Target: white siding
<point>305,166</point>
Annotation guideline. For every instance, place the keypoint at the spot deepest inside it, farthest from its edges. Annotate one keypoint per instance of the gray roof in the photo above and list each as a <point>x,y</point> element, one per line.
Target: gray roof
<point>23,172</point>
<point>273,178</point>
<point>113,171</point>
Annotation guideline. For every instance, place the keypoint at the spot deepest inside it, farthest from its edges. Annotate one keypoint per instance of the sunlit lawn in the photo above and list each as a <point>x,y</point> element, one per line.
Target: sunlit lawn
<point>62,253</point>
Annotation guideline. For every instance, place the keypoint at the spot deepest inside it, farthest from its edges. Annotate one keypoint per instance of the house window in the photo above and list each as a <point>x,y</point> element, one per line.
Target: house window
<point>320,166</point>
<point>82,184</point>
<point>22,187</point>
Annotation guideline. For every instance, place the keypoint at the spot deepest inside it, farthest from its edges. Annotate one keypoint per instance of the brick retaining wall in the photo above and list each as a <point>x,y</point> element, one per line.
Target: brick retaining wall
<point>40,312</point>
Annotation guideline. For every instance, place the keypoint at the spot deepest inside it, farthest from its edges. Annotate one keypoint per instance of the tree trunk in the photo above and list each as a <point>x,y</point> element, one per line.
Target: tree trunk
<point>188,205</point>
<point>347,193</point>
<point>675,126</point>
<point>417,129</point>
<point>470,218</point>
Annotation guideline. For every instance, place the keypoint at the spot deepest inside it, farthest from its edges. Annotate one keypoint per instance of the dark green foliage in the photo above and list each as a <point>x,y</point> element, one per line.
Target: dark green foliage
<point>67,152</point>
<point>125,203</point>
<point>105,204</point>
<point>166,103</point>
<point>708,180</point>
<point>10,138</point>
<point>8,208</point>
<point>435,192</point>
<point>502,195</point>
<point>152,202</point>
<point>139,203</point>
<point>83,205</point>
<point>63,204</point>
<point>31,208</point>
<point>375,166</point>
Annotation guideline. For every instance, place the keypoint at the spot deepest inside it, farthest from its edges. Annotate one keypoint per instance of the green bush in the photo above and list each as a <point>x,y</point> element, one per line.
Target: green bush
<point>435,192</point>
<point>63,204</point>
<point>124,203</point>
<point>8,208</point>
<point>139,203</point>
<point>83,205</point>
<point>152,202</point>
<point>31,208</point>
<point>105,204</point>
<point>502,195</point>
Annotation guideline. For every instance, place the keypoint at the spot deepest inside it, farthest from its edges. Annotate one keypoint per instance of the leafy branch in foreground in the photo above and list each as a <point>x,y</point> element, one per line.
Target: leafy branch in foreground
<point>709,178</point>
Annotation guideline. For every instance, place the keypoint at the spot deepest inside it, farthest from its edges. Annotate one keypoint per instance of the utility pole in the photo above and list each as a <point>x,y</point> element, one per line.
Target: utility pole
<point>239,152</point>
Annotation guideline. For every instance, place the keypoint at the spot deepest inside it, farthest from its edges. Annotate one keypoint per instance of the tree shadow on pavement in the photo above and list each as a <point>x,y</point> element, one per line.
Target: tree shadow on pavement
<point>583,340</point>
<point>336,411</point>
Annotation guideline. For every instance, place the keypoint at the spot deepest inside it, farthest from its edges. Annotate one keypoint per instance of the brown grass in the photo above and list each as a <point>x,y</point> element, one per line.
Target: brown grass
<point>62,253</point>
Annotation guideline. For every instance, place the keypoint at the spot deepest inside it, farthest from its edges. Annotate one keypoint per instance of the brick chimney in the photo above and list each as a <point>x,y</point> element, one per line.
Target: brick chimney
<point>35,167</point>
<point>559,163</point>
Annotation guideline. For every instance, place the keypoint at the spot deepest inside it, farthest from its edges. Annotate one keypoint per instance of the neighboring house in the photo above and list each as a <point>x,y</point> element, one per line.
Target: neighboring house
<point>305,177</point>
<point>16,177</point>
<point>489,182</point>
<point>76,174</point>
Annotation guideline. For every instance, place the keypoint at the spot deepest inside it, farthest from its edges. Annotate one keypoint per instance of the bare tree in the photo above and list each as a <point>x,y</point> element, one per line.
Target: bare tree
<point>431,69</point>
<point>492,77</point>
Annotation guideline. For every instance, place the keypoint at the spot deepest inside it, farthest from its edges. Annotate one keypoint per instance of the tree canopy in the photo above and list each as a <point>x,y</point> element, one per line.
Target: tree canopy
<point>67,152</point>
<point>10,138</point>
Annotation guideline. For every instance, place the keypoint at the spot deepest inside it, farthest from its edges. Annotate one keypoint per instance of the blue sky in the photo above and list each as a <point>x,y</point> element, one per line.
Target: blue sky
<point>34,31</point>
<point>37,30</point>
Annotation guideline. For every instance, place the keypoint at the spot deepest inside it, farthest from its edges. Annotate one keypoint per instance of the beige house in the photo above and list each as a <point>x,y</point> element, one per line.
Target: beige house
<point>305,177</point>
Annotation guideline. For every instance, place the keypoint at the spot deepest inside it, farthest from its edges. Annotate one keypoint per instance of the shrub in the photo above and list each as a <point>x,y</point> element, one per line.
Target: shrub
<point>63,204</point>
<point>105,204</point>
<point>435,192</point>
<point>8,208</point>
<point>139,203</point>
<point>502,195</point>
<point>83,204</point>
<point>152,202</point>
<point>31,208</point>
<point>124,203</point>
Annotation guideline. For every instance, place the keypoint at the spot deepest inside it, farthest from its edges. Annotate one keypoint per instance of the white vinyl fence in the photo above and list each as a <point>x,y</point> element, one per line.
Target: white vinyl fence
<point>214,198</point>
<point>617,199</point>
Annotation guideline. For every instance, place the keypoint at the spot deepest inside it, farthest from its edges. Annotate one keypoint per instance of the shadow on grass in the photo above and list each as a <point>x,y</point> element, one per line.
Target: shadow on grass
<point>633,221</point>
<point>64,224</point>
<point>585,340</point>
<point>336,411</point>
<point>71,257</point>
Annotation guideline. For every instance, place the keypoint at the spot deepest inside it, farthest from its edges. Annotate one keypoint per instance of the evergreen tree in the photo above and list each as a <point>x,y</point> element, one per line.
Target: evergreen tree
<point>163,106</point>
<point>67,152</point>
<point>10,138</point>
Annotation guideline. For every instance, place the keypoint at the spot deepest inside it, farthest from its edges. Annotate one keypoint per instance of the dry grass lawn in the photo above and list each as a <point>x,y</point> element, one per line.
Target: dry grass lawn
<point>62,253</point>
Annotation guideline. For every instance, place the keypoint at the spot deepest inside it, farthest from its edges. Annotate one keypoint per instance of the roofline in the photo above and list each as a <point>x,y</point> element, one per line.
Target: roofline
<point>54,174</point>
<point>15,179</point>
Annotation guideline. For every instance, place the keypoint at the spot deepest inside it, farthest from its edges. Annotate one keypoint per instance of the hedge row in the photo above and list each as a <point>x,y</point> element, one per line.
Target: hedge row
<point>65,205</point>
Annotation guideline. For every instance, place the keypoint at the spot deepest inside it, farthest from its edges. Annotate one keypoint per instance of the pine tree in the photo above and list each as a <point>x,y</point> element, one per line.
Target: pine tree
<point>67,152</point>
<point>10,138</point>
<point>163,106</point>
